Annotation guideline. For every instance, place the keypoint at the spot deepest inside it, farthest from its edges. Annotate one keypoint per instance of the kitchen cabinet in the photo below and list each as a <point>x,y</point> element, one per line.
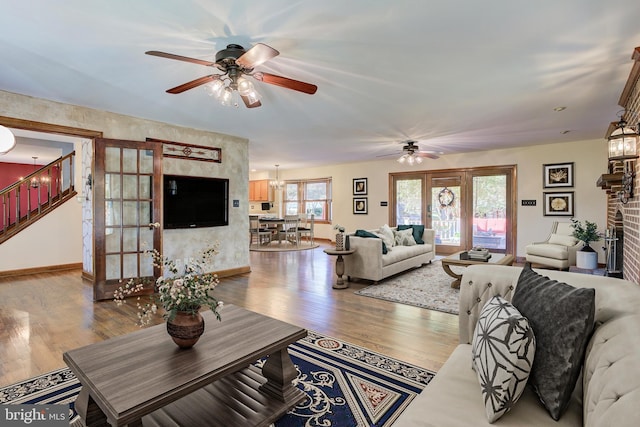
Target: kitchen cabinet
<point>259,190</point>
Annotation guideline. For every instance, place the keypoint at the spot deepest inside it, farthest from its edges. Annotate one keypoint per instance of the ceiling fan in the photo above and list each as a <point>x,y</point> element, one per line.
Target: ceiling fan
<point>235,63</point>
<point>411,153</point>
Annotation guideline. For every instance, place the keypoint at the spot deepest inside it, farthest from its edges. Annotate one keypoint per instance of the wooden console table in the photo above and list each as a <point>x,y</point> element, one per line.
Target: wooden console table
<point>143,378</point>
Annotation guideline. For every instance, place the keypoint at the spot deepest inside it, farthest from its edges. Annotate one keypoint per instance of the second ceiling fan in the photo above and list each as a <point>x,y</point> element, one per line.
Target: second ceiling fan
<point>236,63</point>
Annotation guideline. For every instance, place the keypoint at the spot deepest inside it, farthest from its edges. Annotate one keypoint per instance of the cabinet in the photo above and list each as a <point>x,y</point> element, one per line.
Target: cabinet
<point>259,190</point>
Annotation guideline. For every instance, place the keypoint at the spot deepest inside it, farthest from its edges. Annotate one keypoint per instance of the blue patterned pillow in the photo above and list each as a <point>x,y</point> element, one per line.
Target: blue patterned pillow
<point>418,231</point>
<point>503,348</point>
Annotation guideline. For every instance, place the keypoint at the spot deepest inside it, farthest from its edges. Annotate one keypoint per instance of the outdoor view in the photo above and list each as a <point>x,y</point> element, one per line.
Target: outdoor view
<point>488,210</point>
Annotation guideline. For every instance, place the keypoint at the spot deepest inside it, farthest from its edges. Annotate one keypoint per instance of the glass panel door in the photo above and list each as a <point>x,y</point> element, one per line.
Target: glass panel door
<point>127,207</point>
<point>408,201</point>
<point>490,212</point>
<point>447,209</point>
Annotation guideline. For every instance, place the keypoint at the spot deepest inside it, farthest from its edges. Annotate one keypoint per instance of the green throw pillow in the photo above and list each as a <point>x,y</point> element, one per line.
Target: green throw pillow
<point>365,233</point>
<point>418,231</point>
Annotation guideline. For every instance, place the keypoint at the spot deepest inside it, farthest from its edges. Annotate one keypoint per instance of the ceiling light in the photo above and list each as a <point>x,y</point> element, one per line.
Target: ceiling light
<point>559,108</point>
<point>410,158</point>
<point>225,87</point>
<point>7,140</point>
<point>276,184</point>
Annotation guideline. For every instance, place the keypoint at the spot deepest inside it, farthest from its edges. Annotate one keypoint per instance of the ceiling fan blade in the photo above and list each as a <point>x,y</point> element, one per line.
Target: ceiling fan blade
<point>180,58</point>
<point>245,99</point>
<point>193,83</point>
<point>286,82</point>
<point>427,154</point>
<point>257,55</point>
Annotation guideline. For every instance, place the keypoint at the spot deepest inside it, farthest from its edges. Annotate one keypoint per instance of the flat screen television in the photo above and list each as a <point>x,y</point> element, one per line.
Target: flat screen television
<point>195,202</point>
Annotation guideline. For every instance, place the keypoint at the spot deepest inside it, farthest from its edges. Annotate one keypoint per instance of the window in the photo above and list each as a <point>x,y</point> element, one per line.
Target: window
<point>308,197</point>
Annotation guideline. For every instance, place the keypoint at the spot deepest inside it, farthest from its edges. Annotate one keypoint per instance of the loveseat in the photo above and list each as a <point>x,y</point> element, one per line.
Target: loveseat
<point>379,255</point>
<point>607,392</point>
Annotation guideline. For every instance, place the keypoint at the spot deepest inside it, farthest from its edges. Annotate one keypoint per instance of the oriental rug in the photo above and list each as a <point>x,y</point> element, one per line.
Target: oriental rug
<point>427,287</point>
<point>346,385</point>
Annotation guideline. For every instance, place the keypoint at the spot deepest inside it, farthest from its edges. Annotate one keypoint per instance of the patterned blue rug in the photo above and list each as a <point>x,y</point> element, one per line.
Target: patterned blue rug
<point>346,385</point>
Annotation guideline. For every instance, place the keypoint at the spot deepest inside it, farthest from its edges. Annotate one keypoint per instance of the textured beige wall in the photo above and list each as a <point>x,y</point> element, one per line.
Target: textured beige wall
<point>234,250</point>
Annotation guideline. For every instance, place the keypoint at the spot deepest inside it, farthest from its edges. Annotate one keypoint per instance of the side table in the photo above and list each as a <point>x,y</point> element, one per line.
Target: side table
<point>340,284</point>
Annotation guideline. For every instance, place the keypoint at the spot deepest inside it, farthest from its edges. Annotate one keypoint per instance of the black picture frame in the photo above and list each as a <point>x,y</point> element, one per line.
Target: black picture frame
<point>558,204</point>
<point>558,175</point>
<point>360,206</point>
<point>360,186</point>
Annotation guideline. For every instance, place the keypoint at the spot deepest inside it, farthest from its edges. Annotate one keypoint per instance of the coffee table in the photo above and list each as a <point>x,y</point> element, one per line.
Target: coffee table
<point>143,378</point>
<point>454,259</point>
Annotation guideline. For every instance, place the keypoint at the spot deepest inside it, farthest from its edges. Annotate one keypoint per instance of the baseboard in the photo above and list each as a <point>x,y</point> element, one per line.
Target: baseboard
<point>38,270</point>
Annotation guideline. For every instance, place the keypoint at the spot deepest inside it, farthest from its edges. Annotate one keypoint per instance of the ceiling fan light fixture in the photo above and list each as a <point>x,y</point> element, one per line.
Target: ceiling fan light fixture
<point>214,89</point>
<point>245,87</point>
<point>226,96</point>
<point>7,140</point>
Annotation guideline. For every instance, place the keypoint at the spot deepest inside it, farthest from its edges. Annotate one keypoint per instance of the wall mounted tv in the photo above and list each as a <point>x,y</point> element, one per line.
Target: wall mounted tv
<point>194,202</point>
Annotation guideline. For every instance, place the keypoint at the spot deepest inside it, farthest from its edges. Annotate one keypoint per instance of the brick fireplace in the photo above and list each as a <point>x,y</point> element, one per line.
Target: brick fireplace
<point>625,217</point>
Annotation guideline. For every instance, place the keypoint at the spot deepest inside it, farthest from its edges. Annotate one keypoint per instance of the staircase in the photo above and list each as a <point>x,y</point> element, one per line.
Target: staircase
<point>35,195</point>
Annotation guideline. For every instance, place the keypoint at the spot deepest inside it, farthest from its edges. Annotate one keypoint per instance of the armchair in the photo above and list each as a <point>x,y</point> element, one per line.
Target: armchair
<point>558,250</point>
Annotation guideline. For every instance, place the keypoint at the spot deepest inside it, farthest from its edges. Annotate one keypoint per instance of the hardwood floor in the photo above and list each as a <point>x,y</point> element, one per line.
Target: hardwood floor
<point>44,315</point>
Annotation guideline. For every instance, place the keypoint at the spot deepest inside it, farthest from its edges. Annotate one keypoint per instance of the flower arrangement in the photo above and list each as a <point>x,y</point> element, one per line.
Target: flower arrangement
<point>338,227</point>
<point>587,233</point>
<point>187,291</point>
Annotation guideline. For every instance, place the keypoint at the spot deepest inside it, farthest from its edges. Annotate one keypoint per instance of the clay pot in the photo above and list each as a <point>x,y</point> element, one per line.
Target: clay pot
<point>185,328</point>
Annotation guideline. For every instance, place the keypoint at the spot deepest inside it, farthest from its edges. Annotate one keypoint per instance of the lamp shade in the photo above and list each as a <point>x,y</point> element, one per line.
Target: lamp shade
<point>623,143</point>
<point>7,140</point>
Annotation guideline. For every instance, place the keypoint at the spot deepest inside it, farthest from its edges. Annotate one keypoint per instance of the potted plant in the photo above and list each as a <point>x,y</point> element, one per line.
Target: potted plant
<point>586,257</point>
<point>182,293</point>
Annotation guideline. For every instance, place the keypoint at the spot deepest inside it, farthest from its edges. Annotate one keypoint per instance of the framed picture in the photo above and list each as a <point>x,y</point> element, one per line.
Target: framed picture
<point>359,186</point>
<point>360,205</point>
<point>558,175</point>
<point>558,204</point>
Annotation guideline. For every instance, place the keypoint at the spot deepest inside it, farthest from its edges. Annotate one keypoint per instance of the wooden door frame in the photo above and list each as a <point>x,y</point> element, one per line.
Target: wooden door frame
<point>511,171</point>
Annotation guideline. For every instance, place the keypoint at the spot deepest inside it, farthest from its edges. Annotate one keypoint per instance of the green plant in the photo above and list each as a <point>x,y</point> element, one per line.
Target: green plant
<point>187,290</point>
<point>586,233</point>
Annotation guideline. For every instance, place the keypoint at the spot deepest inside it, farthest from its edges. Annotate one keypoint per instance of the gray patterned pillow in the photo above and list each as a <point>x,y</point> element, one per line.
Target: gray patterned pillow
<point>404,237</point>
<point>503,348</point>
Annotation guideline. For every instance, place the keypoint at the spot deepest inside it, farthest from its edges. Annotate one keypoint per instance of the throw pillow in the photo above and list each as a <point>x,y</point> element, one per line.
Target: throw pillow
<point>388,238</point>
<point>404,238</point>
<point>418,231</point>
<point>364,233</point>
<point>562,239</point>
<point>503,349</point>
<point>562,318</point>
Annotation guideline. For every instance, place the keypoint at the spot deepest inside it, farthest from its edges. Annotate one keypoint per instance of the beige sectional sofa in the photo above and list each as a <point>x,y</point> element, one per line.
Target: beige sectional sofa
<point>369,262</point>
<point>608,389</point>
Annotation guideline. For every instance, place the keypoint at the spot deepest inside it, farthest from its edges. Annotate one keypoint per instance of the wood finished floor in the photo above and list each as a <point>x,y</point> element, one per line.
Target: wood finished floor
<point>44,315</point>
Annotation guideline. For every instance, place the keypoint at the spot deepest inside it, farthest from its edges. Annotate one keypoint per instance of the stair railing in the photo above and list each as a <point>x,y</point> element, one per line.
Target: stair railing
<point>35,195</point>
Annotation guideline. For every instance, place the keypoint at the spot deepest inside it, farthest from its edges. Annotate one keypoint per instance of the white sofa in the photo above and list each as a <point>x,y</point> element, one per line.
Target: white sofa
<point>607,392</point>
<point>368,261</point>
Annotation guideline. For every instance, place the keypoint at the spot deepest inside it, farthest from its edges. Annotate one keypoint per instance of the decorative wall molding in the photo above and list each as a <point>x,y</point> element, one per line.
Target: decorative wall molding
<point>180,150</point>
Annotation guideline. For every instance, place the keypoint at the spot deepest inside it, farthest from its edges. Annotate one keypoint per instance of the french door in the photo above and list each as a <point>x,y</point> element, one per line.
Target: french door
<point>127,197</point>
<point>466,207</point>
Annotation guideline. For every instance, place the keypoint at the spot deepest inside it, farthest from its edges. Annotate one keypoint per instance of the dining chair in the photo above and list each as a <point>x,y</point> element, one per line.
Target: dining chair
<point>261,234</point>
<point>290,229</point>
<point>306,226</point>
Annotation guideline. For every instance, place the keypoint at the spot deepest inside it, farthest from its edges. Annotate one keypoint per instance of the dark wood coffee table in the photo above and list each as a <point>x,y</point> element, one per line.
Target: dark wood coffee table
<point>143,378</point>
<point>454,259</point>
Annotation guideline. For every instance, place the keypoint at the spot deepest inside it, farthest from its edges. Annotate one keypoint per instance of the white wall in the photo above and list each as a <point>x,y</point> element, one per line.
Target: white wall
<point>589,157</point>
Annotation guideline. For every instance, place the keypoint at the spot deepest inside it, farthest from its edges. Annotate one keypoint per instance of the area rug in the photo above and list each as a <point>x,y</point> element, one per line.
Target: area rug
<point>427,287</point>
<point>282,247</point>
<point>346,385</point>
